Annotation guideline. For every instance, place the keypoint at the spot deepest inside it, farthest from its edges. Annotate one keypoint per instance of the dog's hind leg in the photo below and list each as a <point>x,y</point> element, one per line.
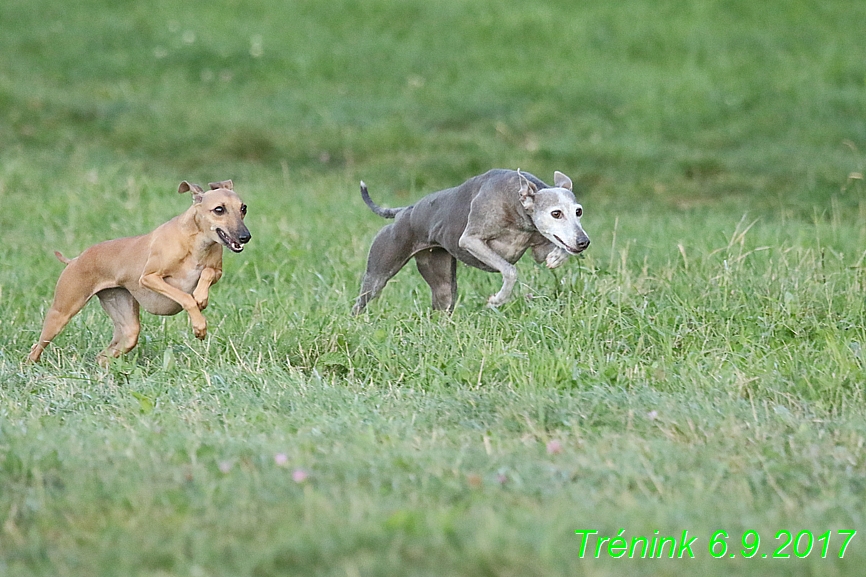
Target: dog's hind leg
<point>439,269</point>
<point>123,310</point>
<point>391,249</point>
<point>55,320</point>
<point>68,300</point>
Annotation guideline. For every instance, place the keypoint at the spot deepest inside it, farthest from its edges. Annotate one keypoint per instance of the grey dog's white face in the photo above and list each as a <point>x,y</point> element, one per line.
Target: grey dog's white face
<point>555,213</point>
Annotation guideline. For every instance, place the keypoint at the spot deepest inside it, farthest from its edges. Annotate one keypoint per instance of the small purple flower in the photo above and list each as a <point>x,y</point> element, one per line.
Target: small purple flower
<point>300,475</point>
<point>225,466</point>
<point>281,459</point>
<point>652,415</point>
<point>554,447</point>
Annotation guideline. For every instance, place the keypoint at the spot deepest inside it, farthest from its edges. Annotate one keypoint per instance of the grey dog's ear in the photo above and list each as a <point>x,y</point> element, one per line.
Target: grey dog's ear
<point>222,184</point>
<point>561,181</point>
<point>196,190</point>
<point>527,192</point>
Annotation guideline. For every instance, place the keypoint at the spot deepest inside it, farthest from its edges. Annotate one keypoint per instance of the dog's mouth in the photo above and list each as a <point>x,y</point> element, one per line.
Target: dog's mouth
<point>234,245</point>
<point>568,247</point>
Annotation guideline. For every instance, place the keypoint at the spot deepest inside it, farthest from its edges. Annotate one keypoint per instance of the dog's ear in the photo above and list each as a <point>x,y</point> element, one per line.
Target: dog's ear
<point>196,190</point>
<point>222,184</point>
<point>561,181</point>
<point>527,192</point>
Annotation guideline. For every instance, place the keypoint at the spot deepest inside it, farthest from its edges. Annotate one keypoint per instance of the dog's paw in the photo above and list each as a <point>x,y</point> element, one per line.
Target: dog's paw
<point>199,327</point>
<point>495,301</point>
<point>200,299</point>
<point>556,257</point>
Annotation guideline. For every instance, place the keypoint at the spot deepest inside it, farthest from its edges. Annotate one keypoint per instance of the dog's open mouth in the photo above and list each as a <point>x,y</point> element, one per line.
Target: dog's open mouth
<point>234,245</point>
<point>568,247</point>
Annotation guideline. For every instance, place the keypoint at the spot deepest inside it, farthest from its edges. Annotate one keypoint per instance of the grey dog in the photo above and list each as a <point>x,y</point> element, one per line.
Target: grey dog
<point>487,222</point>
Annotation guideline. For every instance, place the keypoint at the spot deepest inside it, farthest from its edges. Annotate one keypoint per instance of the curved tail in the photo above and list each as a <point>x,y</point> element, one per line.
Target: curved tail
<point>383,212</point>
<point>62,258</point>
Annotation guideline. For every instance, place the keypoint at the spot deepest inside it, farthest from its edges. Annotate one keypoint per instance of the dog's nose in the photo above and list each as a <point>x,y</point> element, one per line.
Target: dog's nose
<point>245,237</point>
<point>583,244</point>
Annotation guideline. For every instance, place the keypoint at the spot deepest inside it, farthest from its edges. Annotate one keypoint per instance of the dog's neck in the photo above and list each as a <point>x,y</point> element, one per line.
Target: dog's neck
<point>189,223</point>
<point>524,221</point>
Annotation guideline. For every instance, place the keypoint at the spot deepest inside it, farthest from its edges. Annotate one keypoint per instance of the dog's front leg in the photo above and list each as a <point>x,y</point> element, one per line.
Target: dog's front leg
<point>480,250</point>
<point>552,255</point>
<point>156,283</point>
<point>209,277</point>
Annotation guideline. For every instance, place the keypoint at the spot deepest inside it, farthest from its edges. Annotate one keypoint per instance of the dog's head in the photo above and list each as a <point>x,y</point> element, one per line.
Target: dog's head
<point>221,212</point>
<point>555,212</point>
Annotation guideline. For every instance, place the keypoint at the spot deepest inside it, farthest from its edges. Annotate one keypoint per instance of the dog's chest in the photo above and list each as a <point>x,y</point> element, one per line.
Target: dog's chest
<point>184,276</point>
<point>158,304</point>
<point>187,278</point>
<point>512,244</point>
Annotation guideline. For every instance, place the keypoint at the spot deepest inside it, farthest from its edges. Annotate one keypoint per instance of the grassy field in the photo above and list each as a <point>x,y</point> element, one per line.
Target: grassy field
<point>701,368</point>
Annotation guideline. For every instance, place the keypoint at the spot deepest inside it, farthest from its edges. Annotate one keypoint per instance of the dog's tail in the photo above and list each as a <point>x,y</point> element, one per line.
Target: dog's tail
<point>383,212</point>
<point>62,258</point>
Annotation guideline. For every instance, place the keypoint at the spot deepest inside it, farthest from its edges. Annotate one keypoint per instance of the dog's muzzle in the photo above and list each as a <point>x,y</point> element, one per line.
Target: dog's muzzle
<point>235,245</point>
<point>578,248</point>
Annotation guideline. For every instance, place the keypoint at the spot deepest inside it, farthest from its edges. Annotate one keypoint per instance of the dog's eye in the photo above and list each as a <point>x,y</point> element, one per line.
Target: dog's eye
<point>244,209</point>
<point>219,210</point>
<point>578,212</point>
<point>557,214</point>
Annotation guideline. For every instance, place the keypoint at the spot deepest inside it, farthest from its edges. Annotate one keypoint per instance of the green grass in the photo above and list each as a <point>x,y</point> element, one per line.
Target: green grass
<point>701,368</point>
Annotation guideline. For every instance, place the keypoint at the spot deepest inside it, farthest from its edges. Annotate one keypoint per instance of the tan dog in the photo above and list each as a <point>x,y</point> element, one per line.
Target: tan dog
<point>166,271</point>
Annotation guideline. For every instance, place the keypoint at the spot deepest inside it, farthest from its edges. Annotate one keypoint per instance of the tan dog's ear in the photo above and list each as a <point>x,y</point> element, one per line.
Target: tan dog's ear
<point>196,190</point>
<point>561,181</point>
<point>527,192</point>
<point>222,184</point>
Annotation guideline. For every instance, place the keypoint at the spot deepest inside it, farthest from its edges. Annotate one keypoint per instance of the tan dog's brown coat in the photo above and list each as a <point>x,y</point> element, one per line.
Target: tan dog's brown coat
<point>165,271</point>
